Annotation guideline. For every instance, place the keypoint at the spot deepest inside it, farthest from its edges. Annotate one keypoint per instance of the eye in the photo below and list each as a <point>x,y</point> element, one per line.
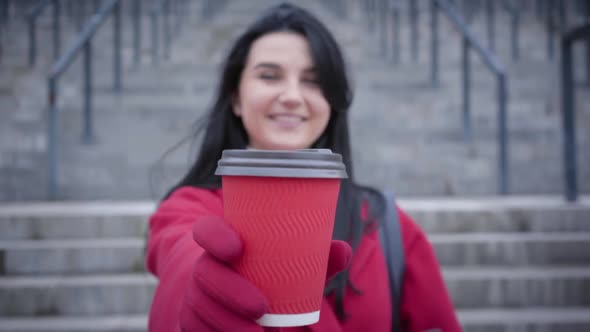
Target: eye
<point>312,80</point>
<point>269,75</point>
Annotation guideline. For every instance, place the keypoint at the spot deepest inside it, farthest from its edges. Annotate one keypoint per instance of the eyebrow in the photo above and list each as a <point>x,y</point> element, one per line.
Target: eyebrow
<point>271,65</point>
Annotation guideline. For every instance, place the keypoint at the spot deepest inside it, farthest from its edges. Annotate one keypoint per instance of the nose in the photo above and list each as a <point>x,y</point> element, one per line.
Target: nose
<point>291,97</point>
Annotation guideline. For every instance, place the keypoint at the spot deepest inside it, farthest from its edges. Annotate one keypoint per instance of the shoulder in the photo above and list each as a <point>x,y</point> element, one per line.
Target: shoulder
<point>190,198</point>
<point>412,234</point>
<point>188,193</point>
<point>187,202</point>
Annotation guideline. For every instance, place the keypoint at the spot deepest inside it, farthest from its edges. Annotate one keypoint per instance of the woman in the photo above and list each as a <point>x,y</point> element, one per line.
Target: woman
<point>283,86</point>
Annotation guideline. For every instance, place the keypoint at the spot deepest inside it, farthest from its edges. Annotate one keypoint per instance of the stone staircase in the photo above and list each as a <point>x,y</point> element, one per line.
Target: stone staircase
<point>74,267</point>
<point>415,143</point>
<point>511,264</point>
<point>518,263</point>
<point>438,161</point>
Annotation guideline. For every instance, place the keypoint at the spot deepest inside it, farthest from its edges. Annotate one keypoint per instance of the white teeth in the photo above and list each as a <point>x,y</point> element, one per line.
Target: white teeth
<point>287,121</point>
<point>287,117</point>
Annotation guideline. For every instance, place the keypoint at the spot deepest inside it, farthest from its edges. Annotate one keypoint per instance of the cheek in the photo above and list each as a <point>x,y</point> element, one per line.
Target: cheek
<point>320,107</point>
<point>256,101</point>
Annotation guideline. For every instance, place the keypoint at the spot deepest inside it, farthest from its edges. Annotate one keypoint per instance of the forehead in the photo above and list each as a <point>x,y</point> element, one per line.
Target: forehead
<point>283,48</point>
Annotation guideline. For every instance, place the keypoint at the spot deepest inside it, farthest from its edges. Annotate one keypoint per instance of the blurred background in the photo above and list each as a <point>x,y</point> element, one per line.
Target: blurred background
<point>476,113</point>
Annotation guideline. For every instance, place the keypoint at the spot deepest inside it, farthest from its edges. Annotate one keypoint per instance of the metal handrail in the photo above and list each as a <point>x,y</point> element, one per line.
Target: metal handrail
<point>469,41</point>
<point>31,18</point>
<point>568,103</point>
<point>83,43</point>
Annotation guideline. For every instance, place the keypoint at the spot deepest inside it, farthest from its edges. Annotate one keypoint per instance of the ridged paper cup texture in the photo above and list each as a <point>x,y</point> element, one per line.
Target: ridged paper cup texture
<point>283,205</point>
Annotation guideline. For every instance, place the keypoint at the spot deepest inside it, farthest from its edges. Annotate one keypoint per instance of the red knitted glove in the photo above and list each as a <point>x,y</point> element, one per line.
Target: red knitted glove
<point>218,298</point>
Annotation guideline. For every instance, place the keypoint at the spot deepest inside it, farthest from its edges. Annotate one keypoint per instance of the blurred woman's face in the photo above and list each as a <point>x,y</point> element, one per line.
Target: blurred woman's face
<point>279,99</point>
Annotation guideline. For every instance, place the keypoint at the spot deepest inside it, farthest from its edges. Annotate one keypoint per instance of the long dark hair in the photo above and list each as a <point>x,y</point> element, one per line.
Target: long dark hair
<point>224,130</point>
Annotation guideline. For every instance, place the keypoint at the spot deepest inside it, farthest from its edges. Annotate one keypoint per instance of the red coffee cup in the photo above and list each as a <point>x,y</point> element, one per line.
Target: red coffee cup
<point>283,205</point>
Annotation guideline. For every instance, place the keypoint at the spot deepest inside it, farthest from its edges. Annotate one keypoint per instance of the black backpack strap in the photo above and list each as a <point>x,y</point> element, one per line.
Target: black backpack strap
<point>391,241</point>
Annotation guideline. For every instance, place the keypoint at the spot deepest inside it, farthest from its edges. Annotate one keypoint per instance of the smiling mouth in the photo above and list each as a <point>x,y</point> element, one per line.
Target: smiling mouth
<point>287,120</point>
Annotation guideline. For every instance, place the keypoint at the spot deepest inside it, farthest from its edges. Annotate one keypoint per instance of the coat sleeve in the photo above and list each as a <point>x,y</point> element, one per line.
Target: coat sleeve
<point>171,251</point>
<point>426,304</point>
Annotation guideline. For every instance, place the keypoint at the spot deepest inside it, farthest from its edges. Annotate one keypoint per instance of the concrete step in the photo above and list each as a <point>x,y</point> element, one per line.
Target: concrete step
<point>528,319</point>
<point>394,108</point>
<point>189,66</point>
<point>126,255</point>
<point>71,257</point>
<point>472,320</point>
<point>104,220</point>
<point>513,249</point>
<point>508,214</point>
<point>128,219</point>
<point>94,295</point>
<point>397,122</point>
<point>180,101</point>
<point>130,323</point>
<point>494,287</point>
<point>445,168</point>
<point>433,166</point>
<point>518,287</point>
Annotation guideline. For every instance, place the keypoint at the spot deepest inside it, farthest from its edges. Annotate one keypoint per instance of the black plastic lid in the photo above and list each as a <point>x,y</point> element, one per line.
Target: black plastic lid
<point>309,163</point>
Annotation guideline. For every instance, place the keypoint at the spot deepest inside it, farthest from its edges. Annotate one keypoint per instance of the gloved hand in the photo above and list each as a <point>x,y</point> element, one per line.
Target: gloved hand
<point>218,298</point>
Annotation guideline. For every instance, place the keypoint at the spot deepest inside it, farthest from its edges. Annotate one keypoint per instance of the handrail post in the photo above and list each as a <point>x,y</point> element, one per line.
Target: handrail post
<point>180,15</point>
<point>87,133</point>
<point>52,132</point>
<point>370,12</point>
<point>32,42</point>
<point>137,32</point>
<point>588,45</point>
<point>4,11</point>
<point>118,81</point>
<point>569,128</point>
<point>69,9</point>
<point>414,29</point>
<point>469,10</point>
<point>155,37</point>
<point>549,29</point>
<point>177,10</point>
<point>503,185</point>
<point>383,26</point>
<point>1,36</point>
<point>78,13</point>
<point>466,90</point>
<point>434,43</point>
<point>514,34</point>
<point>539,8</point>
<point>490,16</point>
<point>56,29</point>
<point>167,32</point>
<point>396,35</point>
<point>562,15</point>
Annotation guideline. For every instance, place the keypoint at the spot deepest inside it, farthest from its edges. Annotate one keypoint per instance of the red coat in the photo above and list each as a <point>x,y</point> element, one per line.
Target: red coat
<point>425,304</point>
